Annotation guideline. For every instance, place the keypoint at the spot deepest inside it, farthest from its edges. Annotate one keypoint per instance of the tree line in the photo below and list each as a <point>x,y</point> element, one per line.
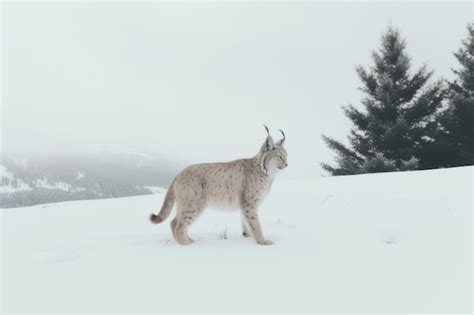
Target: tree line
<point>405,122</point>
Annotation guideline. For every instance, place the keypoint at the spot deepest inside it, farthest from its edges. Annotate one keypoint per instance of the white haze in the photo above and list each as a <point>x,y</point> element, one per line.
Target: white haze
<point>195,82</point>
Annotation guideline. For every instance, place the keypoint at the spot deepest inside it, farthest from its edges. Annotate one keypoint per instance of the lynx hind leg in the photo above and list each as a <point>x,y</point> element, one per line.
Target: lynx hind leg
<point>184,219</point>
<point>173,226</point>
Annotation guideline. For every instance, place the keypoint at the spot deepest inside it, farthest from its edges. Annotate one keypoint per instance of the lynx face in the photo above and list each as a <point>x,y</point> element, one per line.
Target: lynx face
<point>274,155</point>
<point>277,158</point>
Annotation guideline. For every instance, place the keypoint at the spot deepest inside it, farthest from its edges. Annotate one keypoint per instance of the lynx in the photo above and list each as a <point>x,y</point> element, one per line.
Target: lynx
<point>237,184</point>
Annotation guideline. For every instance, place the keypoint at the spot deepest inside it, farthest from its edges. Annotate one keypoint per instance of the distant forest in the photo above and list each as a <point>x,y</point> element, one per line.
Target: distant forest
<point>80,177</point>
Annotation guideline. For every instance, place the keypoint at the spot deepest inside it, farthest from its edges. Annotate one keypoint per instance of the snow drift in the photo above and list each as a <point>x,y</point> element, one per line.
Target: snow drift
<point>399,242</point>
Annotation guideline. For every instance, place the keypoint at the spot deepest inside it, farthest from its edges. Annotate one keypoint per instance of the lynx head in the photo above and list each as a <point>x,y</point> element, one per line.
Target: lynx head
<point>273,156</point>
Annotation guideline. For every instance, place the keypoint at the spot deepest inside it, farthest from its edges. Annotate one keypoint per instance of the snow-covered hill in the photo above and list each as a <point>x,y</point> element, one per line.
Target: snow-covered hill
<point>399,242</point>
<point>107,172</point>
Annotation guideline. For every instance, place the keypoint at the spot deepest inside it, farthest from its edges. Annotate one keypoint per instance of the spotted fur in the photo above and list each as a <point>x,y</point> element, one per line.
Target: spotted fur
<point>242,184</point>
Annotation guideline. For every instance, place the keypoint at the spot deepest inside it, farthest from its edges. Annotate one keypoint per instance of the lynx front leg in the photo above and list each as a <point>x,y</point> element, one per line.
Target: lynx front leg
<point>245,230</point>
<point>253,223</point>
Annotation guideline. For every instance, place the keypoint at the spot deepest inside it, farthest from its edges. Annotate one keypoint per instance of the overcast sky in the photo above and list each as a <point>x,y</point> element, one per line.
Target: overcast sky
<point>196,82</point>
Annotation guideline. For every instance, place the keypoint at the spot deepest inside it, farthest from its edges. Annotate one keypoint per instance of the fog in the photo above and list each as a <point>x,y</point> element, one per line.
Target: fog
<point>195,82</point>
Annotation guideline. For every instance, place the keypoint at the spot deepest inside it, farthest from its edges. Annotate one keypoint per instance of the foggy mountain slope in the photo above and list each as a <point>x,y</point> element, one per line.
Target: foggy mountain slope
<point>387,242</point>
<point>98,173</point>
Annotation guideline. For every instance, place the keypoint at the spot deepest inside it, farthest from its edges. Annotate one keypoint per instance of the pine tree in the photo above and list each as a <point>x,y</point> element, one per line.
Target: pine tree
<point>457,121</point>
<point>399,117</point>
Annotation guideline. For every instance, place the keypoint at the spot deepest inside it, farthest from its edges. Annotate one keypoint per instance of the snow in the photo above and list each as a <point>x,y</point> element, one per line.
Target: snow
<point>155,189</point>
<point>45,183</point>
<point>10,187</point>
<point>393,242</point>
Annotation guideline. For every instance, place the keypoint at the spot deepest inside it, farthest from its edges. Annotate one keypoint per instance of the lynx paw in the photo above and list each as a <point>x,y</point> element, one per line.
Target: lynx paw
<point>265,242</point>
<point>246,234</point>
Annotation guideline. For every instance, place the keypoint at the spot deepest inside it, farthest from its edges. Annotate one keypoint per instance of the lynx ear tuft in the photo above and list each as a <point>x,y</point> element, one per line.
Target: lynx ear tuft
<point>266,128</point>
<point>282,141</point>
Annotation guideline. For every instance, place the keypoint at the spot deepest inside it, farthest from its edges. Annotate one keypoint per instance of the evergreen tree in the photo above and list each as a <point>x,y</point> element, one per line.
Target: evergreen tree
<point>457,122</point>
<point>399,119</point>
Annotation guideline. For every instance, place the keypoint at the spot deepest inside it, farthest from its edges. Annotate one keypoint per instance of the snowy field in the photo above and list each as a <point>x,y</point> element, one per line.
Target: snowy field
<point>398,242</point>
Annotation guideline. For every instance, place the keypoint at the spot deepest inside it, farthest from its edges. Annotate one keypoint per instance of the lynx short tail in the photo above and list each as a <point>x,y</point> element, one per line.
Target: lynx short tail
<point>165,208</point>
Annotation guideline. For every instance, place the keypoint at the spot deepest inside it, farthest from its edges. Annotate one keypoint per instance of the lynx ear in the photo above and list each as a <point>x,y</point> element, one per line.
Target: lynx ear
<point>269,145</point>
<point>282,141</point>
